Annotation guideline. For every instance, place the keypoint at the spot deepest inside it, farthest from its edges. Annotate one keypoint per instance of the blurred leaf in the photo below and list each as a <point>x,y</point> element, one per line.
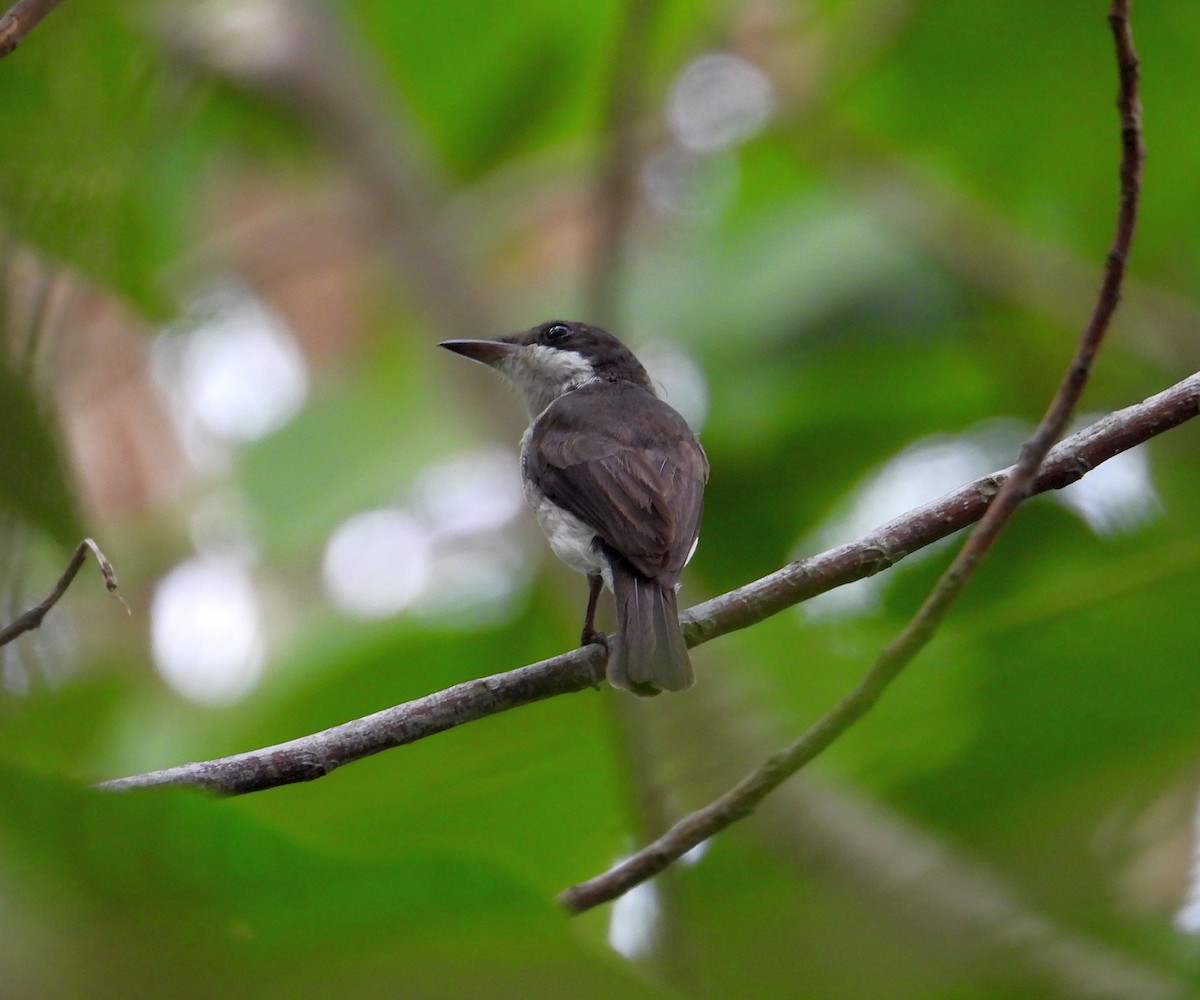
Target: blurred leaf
<point>1000,114</point>
<point>489,78</point>
<point>199,899</point>
<point>96,175</point>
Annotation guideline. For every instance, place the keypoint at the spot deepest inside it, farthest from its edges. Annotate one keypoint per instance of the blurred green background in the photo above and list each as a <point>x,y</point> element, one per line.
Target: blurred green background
<point>857,242</point>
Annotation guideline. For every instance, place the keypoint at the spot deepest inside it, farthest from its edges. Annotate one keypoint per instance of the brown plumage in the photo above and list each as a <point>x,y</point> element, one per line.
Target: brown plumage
<point>639,485</point>
<point>616,479</point>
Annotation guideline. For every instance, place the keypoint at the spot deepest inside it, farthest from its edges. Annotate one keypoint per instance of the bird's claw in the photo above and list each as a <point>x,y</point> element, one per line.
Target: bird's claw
<point>593,637</point>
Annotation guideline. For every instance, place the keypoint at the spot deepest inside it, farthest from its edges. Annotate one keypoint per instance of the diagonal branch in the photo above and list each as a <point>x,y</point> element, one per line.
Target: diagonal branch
<point>744,797</point>
<point>21,18</point>
<point>316,755</point>
<point>32,618</point>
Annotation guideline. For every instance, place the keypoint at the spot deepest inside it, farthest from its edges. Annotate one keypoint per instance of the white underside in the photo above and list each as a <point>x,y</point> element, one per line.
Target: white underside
<point>570,539</point>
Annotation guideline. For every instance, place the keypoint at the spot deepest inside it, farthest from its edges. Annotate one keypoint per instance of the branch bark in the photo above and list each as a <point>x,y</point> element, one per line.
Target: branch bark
<point>744,797</point>
<point>21,18</point>
<point>316,755</point>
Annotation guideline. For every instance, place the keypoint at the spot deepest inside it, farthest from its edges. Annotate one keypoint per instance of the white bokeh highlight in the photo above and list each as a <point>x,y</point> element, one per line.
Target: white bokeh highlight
<point>450,555</point>
<point>242,372</point>
<point>1187,918</point>
<point>475,582</point>
<point>231,372</point>
<point>376,563</point>
<point>718,101</point>
<point>634,923</point>
<point>469,493</point>
<point>206,631</point>
<point>1117,497</point>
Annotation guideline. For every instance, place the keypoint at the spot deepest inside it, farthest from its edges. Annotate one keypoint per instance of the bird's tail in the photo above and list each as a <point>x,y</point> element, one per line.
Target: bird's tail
<point>650,654</point>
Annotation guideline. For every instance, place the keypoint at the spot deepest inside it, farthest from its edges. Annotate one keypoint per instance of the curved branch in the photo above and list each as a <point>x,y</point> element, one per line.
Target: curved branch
<point>745,796</point>
<point>32,618</point>
<point>314,756</point>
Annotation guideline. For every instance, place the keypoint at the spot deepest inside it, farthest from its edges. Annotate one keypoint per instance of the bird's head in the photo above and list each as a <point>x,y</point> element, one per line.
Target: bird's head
<point>553,358</point>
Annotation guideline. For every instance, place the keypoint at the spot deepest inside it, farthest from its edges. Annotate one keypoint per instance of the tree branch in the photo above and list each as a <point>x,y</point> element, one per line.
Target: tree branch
<point>21,18</point>
<point>32,618</point>
<point>941,897</point>
<point>316,755</point>
<point>745,796</point>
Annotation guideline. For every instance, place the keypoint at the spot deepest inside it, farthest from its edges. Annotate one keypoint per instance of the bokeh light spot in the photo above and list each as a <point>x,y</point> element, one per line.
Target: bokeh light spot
<point>376,563</point>
<point>206,631</point>
<point>231,368</point>
<point>719,100</point>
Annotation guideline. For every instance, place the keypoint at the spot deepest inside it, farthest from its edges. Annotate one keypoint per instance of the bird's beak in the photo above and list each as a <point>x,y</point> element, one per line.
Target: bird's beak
<point>487,352</point>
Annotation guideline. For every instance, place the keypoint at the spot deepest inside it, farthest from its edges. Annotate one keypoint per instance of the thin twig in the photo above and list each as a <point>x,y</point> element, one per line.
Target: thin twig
<point>32,618</point>
<point>744,797</point>
<point>21,19</point>
<point>313,756</point>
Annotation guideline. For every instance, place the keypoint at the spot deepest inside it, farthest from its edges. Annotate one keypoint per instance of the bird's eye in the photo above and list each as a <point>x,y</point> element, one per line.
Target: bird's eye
<point>558,332</point>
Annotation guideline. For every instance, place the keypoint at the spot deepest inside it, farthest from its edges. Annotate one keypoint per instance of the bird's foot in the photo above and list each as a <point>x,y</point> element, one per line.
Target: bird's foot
<point>593,637</point>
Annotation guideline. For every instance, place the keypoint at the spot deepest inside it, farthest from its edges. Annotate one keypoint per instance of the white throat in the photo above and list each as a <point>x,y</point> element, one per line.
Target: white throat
<point>541,374</point>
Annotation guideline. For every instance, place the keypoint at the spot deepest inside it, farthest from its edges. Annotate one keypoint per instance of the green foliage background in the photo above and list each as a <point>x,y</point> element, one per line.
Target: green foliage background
<point>890,266</point>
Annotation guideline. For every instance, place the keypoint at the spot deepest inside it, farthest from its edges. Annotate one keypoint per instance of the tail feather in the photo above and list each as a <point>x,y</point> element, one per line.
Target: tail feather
<point>650,653</point>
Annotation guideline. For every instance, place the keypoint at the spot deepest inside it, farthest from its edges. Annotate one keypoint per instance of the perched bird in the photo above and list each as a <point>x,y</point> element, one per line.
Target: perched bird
<point>615,478</point>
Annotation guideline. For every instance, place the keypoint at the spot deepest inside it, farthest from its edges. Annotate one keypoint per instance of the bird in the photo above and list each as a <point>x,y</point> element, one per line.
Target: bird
<point>615,478</point>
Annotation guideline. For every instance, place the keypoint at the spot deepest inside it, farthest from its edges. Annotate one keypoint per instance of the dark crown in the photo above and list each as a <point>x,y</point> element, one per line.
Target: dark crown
<point>610,358</point>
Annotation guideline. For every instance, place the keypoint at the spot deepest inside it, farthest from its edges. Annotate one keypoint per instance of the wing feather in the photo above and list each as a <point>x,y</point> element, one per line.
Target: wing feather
<point>638,483</point>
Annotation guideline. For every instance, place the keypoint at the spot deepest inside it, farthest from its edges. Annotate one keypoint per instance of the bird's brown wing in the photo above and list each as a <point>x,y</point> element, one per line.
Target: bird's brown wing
<point>627,465</point>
